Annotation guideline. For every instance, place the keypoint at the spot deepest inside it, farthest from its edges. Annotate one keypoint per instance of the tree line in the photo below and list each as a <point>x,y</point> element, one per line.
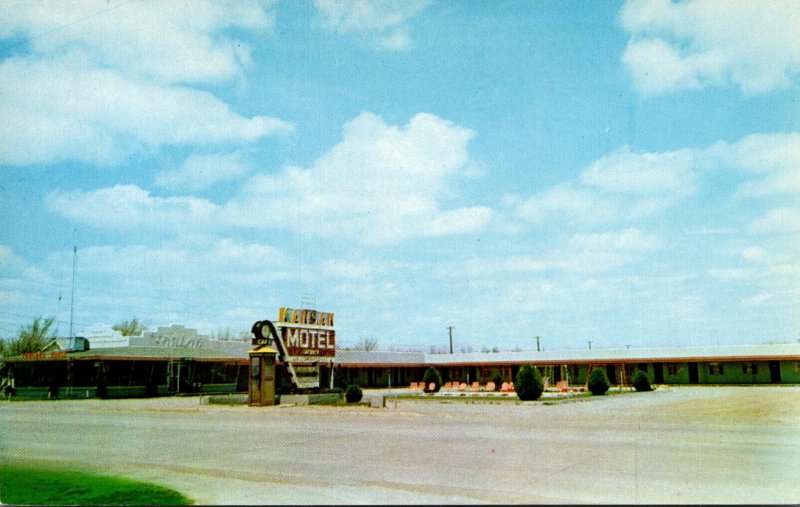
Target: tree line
<point>36,335</point>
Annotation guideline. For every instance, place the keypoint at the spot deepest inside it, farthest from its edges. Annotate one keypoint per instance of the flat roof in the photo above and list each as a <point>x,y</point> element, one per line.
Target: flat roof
<point>763,352</point>
<point>134,354</point>
<point>361,358</point>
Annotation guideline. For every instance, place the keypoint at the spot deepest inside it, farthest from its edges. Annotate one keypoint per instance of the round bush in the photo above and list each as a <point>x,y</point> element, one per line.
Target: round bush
<point>432,376</point>
<point>498,382</point>
<point>353,393</point>
<point>641,382</point>
<point>598,381</point>
<point>529,384</point>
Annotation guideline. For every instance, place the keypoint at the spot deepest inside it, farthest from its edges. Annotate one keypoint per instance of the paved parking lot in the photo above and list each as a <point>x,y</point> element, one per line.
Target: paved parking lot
<point>674,445</point>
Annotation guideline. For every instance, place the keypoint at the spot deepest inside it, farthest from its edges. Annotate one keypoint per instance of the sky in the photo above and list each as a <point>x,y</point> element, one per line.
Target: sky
<point>625,173</point>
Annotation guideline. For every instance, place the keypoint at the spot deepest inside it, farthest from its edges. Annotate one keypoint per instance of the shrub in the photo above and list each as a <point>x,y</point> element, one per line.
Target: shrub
<point>598,381</point>
<point>353,393</point>
<point>498,382</point>
<point>641,382</point>
<point>529,384</point>
<point>432,376</point>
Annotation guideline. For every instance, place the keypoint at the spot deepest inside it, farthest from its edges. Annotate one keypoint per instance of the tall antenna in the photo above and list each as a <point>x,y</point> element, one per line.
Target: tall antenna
<point>72,301</point>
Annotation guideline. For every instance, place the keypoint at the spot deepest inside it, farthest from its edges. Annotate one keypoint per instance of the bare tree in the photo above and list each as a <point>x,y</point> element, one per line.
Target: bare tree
<point>367,343</point>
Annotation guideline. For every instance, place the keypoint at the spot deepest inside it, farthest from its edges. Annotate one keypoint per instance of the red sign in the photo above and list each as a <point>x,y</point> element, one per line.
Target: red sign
<point>58,354</point>
<point>309,341</point>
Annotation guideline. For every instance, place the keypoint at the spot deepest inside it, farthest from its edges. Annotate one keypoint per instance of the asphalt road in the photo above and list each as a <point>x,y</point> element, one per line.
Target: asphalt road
<point>674,445</point>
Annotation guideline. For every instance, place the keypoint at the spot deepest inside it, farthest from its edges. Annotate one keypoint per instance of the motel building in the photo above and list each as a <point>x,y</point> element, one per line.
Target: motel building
<point>298,352</point>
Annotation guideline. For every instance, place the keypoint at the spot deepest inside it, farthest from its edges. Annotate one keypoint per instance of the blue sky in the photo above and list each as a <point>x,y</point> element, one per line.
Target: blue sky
<point>621,172</point>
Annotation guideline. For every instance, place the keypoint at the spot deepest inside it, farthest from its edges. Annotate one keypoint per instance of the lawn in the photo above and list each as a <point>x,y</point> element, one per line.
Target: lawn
<point>25,485</point>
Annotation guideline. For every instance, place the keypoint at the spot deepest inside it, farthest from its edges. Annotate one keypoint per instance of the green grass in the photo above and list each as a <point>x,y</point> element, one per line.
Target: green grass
<point>25,485</point>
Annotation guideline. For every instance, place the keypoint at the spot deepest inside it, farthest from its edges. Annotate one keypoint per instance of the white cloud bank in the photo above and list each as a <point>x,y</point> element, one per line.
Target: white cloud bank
<point>101,83</point>
<point>169,42</point>
<point>701,43</point>
<point>626,185</point>
<point>381,184</point>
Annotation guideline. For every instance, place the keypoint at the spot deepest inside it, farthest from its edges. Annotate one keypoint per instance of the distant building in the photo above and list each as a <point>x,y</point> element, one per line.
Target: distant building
<point>101,336</point>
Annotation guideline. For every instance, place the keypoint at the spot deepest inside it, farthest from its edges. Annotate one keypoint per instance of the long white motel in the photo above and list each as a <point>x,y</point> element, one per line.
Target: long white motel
<point>177,360</point>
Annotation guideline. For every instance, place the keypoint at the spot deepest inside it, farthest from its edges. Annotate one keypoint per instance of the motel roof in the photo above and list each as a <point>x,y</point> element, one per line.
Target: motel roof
<point>359,358</point>
<point>136,354</point>
<point>763,352</point>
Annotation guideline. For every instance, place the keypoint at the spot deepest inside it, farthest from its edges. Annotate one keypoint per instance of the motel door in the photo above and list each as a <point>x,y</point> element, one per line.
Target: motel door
<point>694,376</point>
<point>775,372</point>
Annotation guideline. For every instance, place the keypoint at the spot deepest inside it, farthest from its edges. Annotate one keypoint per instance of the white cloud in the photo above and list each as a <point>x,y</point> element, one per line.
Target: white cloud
<point>380,184</point>
<point>165,41</point>
<point>772,159</point>
<point>199,172</point>
<point>754,253</point>
<point>129,206</point>
<point>622,185</point>
<point>627,240</point>
<point>777,221</point>
<point>567,202</point>
<point>701,43</point>
<point>625,185</point>
<point>101,83</point>
<point>756,300</point>
<point>581,253</point>
<point>9,261</point>
<point>180,264</point>
<point>647,174</point>
<point>384,23</point>
<point>57,110</point>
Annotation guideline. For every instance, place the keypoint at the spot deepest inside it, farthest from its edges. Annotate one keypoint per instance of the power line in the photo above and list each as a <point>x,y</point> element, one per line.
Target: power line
<point>26,40</point>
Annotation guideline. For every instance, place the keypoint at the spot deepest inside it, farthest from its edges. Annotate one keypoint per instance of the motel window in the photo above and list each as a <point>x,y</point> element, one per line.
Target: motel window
<point>672,369</point>
<point>749,368</point>
<point>715,369</point>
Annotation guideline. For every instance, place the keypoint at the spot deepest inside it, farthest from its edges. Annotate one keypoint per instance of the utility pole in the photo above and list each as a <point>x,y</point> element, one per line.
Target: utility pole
<point>590,344</point>
<point>537,344</point>
<point>72,300</point>
<point>450,332</point>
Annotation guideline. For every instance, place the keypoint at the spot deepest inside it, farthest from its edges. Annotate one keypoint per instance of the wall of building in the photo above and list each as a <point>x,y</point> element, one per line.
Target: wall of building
<point>790,372</point>
<point>728,372</point>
